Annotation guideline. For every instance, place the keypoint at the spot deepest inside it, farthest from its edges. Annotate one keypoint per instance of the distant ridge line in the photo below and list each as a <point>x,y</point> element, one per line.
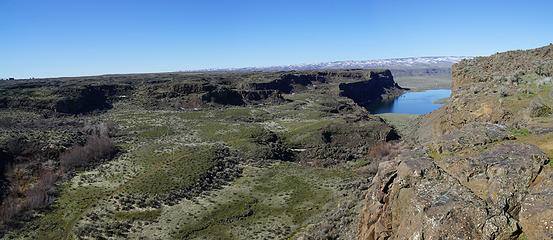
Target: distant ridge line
<point>406,62</point>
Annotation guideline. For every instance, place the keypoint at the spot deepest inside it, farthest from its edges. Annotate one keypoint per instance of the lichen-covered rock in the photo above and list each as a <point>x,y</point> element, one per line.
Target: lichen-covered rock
<point>412,198</point>
<point>536,214</point>
<point>496,89</point>
<point>472,135</point>
<point>480,184</point>
<point>507,65</point>
<point>500,175</point>
<point>539,130</point>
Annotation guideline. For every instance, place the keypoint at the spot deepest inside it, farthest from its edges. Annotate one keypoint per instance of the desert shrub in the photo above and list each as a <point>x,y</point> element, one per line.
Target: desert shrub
<point>539,109</point>
<point>380,151</point>
<point>8,209</point>
<point>97,147</point>
<point>24,149</point>
<point>520,132</point>
<point>101,129</point>
<point>383,152</point>
<point>6,122</point>
<point>38,195</point>
<point>503,91</point>
<point>41,194</point>
<point>516,76</point>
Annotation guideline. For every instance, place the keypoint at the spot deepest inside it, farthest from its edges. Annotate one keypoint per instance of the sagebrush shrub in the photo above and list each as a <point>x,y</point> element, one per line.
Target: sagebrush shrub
<point>383,152</point>
<point>96,148</point>
<point>41,193</point>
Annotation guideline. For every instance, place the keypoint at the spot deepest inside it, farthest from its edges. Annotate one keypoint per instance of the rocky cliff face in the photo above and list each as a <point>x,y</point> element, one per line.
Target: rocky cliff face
<point>378,86</point>
<point>505,67</point>
<point>511,88</point>
<point>82,95</point>
<point>480,166</point>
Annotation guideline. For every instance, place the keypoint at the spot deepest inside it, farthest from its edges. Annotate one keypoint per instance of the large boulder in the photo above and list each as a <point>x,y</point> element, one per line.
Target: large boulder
<point>536,214</point>
<point>500,175</point>
<point>412,198</point>
<point>474,135</point>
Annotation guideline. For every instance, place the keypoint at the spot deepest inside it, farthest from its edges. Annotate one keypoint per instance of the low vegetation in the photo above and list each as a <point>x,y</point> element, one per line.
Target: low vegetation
<point>185,155</point>
<point>32,168</point>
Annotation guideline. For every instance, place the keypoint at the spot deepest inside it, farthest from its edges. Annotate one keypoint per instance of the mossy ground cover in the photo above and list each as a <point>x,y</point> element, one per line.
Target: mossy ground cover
<point>148,215</point>
<point>306,132</point>
<point>179,170</point>
<point>156,131</point>
<point>279,201</point>
<point>55,221</point>
<point>518,101</point>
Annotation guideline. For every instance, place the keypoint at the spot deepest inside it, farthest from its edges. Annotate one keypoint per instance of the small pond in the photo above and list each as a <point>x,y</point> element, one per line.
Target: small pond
<point>411,102</point>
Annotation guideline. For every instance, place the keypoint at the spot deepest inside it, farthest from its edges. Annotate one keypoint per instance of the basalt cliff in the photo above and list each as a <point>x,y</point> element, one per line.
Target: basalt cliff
<point>479,167</point>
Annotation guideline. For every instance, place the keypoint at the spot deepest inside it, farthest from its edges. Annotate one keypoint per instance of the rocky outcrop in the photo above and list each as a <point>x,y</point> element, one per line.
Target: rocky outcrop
<point>472,136</point>
<point>379,86</point>
<point>479,186</point>
<point>475,197</point>
<point>83,100</point>
<point>507,88</point>
<point>61,98</point>
<point>506,66</point>
<point>223,96</point>
<point>536,213</point>
<point>473,179</point>
<point>501,175</point>
<point>341,142</point>
<point>412,198</point>
<point>286,82</point>
<point>82,95</point>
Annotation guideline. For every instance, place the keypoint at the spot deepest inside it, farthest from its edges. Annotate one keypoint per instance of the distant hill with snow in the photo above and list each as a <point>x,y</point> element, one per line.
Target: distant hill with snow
<point>393,63</point>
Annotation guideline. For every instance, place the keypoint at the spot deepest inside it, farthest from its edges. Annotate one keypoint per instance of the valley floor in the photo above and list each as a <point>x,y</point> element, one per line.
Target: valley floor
<point>208,174</point>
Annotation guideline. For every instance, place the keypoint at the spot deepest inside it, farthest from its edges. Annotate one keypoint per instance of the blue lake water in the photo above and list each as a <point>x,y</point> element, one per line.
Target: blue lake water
<point>411,102</point>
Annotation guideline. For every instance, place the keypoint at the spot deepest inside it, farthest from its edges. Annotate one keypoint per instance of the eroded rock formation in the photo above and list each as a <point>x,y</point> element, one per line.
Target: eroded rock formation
<point>478,168</point>
<point>379,86</point>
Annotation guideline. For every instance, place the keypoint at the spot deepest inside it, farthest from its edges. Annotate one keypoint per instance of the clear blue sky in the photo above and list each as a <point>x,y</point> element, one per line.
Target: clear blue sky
<point>87,37</point>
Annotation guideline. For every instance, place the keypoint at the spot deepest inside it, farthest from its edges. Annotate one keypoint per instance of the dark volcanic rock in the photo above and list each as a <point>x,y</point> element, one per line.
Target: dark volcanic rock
<point>262,95</point>
<point>224,96</point>
<point>379,86</point>
<point>286,82</point>
<point>282,85</point>
<point>83,100</point>
<point>81,95</point>
<point>189,88</point>
<point>483,192</point>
